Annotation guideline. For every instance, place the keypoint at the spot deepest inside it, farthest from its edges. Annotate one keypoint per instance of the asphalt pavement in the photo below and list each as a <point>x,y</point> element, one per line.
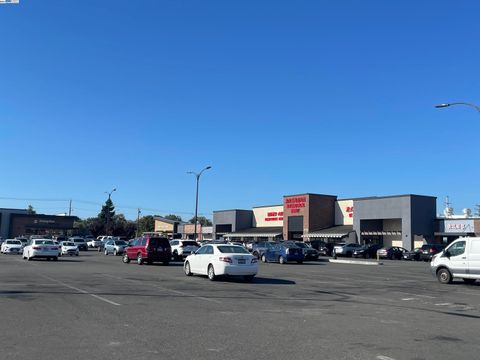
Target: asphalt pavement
<point>95,307</point>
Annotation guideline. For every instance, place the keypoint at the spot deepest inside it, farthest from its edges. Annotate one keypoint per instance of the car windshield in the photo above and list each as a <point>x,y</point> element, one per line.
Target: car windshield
<point>302,245</point>
<point>290,246</point>
<point>13,242</point>
<point>232,249</point>
<point>120,242</point>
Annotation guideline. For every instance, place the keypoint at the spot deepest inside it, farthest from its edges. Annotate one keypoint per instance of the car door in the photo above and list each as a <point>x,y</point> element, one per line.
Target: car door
<point>196,260</point>
<point>206,259</point>
<point>132,250</point>
<point>473,257</point>
<point>273,253</point>
<point>458,260</point>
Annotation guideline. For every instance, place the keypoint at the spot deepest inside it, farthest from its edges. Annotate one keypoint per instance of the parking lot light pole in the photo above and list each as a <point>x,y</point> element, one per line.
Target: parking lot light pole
<point>441,106</point>
<point>108,212</point>
<point>197,175</point>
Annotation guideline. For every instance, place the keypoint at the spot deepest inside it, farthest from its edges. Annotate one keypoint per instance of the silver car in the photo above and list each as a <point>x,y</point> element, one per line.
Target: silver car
<point>115,247</point>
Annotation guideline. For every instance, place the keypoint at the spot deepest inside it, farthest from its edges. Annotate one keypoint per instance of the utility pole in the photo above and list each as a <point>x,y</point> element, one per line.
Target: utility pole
<point>70,209</point>
<point>477,210</point>
<point>138,221</point>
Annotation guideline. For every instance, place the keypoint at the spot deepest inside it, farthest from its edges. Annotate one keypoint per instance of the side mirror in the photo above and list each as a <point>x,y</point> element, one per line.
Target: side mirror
<point>447,253</point>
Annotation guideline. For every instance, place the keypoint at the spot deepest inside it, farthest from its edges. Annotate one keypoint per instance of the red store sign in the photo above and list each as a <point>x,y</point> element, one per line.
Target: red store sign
<point>274,216</point>
<point>295,204</point>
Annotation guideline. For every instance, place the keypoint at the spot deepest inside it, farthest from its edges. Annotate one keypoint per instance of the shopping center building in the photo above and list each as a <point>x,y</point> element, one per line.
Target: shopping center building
<point>18,222</point>
<point>402,220</point>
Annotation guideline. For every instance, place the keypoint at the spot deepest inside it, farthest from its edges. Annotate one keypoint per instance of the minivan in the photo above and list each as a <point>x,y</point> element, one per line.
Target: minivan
<point>461,259</point>
<point>148,249</point>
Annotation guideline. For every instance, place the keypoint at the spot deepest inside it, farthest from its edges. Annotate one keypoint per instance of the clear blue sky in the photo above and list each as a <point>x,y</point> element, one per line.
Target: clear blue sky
<point>279,97</point>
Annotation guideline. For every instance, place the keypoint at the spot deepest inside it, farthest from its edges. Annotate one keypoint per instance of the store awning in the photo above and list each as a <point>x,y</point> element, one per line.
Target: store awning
<point>381,233</point>
<point>454,234</point>
<point>267,231</point>
<point>332,232</point>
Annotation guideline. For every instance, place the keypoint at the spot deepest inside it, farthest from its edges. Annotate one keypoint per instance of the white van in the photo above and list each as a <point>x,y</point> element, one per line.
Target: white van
<point>461,259</point>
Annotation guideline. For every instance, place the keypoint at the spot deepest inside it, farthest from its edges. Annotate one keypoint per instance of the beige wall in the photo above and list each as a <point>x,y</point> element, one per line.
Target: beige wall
<point>163,226</point>
<point>344,212</point>
<point>268,216</point>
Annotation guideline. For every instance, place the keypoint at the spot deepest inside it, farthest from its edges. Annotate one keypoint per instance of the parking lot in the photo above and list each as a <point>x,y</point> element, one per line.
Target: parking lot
<point>95,307</point>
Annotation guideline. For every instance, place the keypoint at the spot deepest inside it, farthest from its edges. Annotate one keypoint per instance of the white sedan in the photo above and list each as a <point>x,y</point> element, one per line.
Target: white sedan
<point>221,259</point>
<point>41,248</point>
<point>69,248</point>
<point>11,246</point>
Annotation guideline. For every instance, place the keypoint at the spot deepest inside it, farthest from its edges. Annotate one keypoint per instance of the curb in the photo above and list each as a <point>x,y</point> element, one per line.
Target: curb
<point>355,262</point>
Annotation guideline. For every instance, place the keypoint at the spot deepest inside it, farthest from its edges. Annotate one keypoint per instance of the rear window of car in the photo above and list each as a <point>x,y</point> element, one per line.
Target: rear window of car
<point>154,242</point>
<point>78,240</point>
<point>290,246</point>
<point>120,242</point>
<point>233,249</point>
<point>44,242</point>
<point>68,244</point>
<point>189,243</point>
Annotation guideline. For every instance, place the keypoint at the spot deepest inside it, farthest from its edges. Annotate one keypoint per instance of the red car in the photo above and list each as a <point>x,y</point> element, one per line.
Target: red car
<point>147,249</point>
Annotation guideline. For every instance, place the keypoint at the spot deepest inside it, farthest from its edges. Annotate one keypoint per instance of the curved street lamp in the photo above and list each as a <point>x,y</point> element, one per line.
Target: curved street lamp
<point>108,212</point>
<point>197,175</point>
<point>441,106</point>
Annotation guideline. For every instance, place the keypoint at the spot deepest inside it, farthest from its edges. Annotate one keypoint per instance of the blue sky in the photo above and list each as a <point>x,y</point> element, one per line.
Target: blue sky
<point>279,97</point>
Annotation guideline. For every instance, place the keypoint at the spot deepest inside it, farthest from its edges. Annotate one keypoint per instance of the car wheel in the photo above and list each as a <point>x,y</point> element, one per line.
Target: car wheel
<point>349,254</point>
<point>187,270</point>
<point>211,273</point>
<point>115,252</point>
<point>248,278</point>
<point>125,259</point>
<point>256,254</point>
<point>281,260</point>
<point>444,276</point>
<point>264,259</point>
<point>139,259</point>
<point>469,281</point>
<point>105,252</point>
<point>55,258</point>
<point>299,262</point>
<point>165,263</point>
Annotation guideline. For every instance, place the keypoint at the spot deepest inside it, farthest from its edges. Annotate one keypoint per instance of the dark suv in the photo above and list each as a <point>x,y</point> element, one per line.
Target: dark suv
<point>427,251</point>
<point>148,249</point>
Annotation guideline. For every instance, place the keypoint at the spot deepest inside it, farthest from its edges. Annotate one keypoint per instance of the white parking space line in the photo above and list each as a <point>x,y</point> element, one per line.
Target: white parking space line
<point>82,291</point>
<point>383,357</point>
<point>164,289</point>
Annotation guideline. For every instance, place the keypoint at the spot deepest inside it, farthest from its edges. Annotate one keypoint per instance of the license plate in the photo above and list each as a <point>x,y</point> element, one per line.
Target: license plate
<point>241,261</point>
<point>159,249</point>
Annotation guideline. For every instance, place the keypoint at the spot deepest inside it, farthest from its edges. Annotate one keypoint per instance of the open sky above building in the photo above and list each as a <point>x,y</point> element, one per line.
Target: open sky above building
<point>279,97</point>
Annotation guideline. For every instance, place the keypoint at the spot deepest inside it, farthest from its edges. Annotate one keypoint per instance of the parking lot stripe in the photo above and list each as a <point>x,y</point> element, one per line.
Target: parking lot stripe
<point>82,291</point>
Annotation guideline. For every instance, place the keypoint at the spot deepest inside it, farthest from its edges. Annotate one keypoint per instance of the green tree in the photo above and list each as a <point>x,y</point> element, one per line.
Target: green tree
<point>107,214</point>
<point>173,217</point>
<point>146,224</point>
<point>31,210</point>
<point>202,220</point>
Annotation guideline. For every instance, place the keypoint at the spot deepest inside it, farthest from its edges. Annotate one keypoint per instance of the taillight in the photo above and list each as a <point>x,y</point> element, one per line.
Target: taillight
<point>431,250</point>
<point>254,260</point>
<point>225,259</point>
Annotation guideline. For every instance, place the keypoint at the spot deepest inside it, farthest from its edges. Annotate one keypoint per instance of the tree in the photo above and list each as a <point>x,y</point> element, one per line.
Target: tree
<point>146,224</point>
<point>202,220</point>
<point>106,214</point>
<point>173,217</point>
<point>31,210</point>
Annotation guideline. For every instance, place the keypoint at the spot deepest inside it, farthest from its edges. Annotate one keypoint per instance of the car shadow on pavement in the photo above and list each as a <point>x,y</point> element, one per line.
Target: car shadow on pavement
<point>259,281</point>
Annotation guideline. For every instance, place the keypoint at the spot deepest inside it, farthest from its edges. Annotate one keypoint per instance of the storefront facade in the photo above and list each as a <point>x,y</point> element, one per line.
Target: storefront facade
<point>403,220</point>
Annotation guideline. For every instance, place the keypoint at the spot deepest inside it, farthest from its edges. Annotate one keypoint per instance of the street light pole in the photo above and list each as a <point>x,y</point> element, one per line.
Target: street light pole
<point>441,106</point>
<point>108,210</point>
<point>197,175</point>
